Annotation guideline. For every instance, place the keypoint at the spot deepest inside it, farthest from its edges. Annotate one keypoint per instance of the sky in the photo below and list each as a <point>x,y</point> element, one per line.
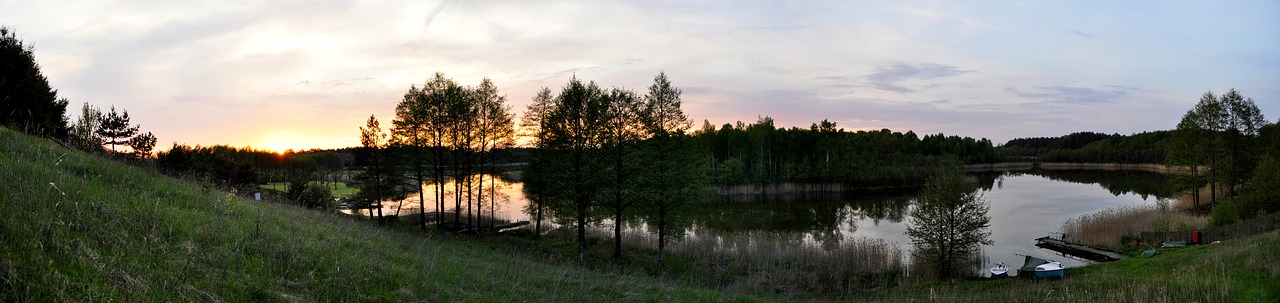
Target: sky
<point>307,74</point>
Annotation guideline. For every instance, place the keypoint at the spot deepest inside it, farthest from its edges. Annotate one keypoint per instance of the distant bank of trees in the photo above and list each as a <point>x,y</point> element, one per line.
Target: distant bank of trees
<point>1090,147</point>
<point>761,153</point>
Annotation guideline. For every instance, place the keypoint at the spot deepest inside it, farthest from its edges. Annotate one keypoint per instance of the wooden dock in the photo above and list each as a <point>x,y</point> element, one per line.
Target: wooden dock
<point>1079,250</point>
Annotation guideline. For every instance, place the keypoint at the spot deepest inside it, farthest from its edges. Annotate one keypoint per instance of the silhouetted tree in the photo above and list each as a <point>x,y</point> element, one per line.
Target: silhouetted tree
<point>377,177</point>
<point>574,128</point>
<point>142,144</point>
<point>115,129</point>
<point>622,131</point>
<point>534,174</point>
<point>84,133</point>
<point>27,102</point>
<point>669,179</point>
<point>949,223</point>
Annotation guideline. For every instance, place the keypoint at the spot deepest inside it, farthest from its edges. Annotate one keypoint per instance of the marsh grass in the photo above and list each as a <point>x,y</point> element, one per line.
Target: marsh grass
<point>757,262</point>
<point>1114,227</point>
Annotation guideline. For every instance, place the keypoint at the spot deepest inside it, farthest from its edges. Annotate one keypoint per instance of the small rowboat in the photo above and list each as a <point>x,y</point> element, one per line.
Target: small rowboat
<point>999,271</point>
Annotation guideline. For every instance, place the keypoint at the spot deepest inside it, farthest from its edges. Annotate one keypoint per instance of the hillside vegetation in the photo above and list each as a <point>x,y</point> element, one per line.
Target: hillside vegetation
<point>77,228</point>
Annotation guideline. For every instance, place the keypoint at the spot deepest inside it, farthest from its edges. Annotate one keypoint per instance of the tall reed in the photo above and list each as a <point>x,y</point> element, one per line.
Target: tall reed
<point>1110,227</point>
<point>776,262</point>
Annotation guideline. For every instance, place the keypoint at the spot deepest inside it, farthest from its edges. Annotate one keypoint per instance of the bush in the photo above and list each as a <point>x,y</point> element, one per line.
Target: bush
<point>1224,213</point>
<point>318,196</point>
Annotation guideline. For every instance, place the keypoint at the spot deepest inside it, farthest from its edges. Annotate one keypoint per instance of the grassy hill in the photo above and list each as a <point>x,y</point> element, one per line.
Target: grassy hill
<point>79,228</point>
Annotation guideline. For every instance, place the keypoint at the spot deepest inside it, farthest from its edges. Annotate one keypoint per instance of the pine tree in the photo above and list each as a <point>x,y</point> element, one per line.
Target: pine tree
<point>115,129</point>
<point>26,101</point>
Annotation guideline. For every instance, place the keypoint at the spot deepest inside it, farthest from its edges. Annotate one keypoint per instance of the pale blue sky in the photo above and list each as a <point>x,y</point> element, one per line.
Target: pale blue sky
<point>278,74</point>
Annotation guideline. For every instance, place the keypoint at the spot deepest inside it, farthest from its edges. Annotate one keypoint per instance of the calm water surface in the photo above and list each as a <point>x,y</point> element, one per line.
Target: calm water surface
<point>1024,206</point>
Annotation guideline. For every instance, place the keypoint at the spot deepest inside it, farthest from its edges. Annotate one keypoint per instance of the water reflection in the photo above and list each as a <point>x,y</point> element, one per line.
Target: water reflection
<point>1024,206</point>
<point>492,197</point>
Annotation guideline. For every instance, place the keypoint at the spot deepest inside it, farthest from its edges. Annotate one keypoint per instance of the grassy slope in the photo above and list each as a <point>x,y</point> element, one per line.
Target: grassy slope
<point>78,228</point>
<point>1240,270</point>
<point>341,192</point>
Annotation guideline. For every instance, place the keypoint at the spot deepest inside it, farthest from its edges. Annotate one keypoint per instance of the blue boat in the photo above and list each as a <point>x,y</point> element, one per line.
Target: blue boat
<point>1041,268</point>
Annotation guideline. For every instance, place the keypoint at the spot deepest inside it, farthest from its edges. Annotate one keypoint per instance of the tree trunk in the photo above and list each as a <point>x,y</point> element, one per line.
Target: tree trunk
<point>537,226</point>
<point>582,234</point>
<point>662,237</point>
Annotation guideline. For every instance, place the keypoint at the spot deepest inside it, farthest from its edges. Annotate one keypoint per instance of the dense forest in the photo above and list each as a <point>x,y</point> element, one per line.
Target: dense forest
<point>761,153</point>
<point>1090,147</point>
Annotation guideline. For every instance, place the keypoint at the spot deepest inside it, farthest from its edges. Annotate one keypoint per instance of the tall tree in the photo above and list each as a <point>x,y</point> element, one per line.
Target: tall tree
<point>1185,150</point>
<point>1211,117</point>
<point>574,136</point>
<point>115,129</point>
<point>1244,119</point>
<point>377,177</point>
<point>142,144</point>
<point>623,131</point>
<point>84,133</point>
<point>495,130</point>
<point>535,183</point>
<point>27,102</point>
<point>413,128</point>
<point>949,223</point>
<point>669,181</point>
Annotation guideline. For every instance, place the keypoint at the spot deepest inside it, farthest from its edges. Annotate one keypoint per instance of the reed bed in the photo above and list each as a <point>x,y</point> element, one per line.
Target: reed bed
<point>774,262</point>
<point>1111,227</point>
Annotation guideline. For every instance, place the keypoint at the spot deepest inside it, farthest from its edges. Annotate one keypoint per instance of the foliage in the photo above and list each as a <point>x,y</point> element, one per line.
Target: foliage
<point>1037,146</point>
<point>222,166</point>
<point>1262,194</point>
<point>379,177</point>
<point>28,102</point>
<point>1224,212</point>
<point>949,223</point>
<point>1219,133</point>
<point>142,144</point>
<point>84,133</point>
<point>115,130</point>
<point>456,131</point>
<point>574,127</point>
<point>316,196</point>
<point>762,154</point>
<point>107,232</point>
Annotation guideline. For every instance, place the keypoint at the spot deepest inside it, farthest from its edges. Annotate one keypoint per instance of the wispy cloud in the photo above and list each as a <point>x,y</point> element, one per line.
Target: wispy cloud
<point>887,76</point>
<point>224,72</point>
<point>1076,94</point>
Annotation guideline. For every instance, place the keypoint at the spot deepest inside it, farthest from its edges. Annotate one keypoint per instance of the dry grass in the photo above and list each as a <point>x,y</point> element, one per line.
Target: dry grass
<point>1184,199</point>
<point>1111,226</point>
<point>779,263</point>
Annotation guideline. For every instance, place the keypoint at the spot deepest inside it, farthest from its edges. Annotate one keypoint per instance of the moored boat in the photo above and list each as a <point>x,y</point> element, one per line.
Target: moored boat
<point>1053,269</point>
<point>1039,268</point>
<point>999,271</point>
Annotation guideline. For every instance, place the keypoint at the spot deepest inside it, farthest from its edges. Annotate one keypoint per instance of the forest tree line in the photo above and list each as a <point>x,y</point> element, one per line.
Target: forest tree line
<point>1090,147</point>
<point>762,153</point>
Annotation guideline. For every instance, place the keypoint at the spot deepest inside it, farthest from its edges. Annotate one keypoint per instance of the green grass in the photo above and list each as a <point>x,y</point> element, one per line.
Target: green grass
<point>342,191</point>
<point>82,229</point>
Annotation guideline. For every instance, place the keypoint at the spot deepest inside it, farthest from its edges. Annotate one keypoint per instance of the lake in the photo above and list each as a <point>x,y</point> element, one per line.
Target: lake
<point>1024,206</point>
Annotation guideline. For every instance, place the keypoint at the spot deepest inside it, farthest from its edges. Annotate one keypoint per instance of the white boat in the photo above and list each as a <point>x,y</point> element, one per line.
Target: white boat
<point>1053,269</point>
<point>1040,268</point>
<point>999,271</point>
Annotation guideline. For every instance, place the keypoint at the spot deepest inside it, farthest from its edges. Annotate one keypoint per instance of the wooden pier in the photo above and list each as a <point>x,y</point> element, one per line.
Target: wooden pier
<point>1079,250</point>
